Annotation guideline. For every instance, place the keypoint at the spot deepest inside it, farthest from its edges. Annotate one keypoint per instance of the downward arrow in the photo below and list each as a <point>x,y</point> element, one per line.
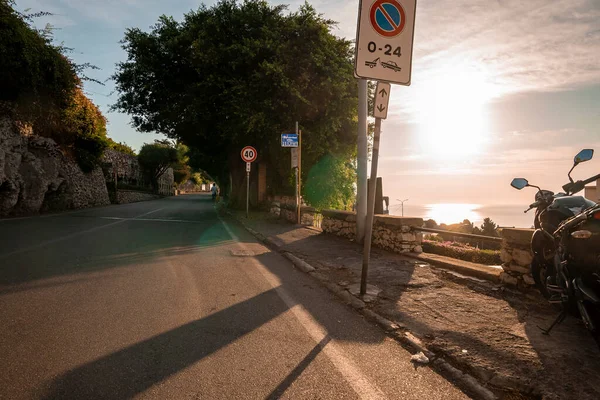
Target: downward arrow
<point>383,93</point>
<point>380,107</point>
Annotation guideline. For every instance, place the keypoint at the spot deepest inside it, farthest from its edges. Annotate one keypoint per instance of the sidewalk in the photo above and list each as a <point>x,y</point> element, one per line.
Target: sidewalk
<point>478,326</point>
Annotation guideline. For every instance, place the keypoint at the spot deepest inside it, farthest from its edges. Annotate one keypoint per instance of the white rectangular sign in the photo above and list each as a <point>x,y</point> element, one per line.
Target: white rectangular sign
<point>384,40</point>
<point>382,99</point>
<point>248,166</point>
<point>294,157</point>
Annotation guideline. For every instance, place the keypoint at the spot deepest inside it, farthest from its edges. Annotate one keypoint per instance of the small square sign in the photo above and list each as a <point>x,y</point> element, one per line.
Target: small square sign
<point>289,140</point>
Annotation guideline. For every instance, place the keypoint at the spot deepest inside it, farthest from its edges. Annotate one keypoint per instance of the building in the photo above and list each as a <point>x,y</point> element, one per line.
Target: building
<point>593,192</point>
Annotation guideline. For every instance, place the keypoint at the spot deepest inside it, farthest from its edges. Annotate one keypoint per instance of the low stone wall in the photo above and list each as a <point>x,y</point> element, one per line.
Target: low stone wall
<point>516,256</point>
<point>132,196</point>
<point>289,213</point>
<point>389,232</point>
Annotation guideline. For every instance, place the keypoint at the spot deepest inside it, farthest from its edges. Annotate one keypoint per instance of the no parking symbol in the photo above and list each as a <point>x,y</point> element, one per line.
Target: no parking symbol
<point>387,17</point>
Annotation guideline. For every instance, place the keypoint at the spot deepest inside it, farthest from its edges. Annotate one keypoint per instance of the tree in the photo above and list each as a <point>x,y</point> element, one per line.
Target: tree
<point>181,169</point>
<point>155,159</point>
<point>241,74</point>
<point>40,86</point>
<point>489,227</point>
<point>431,224</point>
<point>330,184</point>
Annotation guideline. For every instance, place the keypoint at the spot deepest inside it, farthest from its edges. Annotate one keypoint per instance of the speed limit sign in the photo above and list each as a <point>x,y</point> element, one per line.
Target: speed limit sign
<point>249,154</point>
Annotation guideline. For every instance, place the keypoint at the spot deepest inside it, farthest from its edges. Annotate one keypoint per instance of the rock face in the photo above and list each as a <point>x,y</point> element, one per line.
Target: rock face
<point>35,176</point>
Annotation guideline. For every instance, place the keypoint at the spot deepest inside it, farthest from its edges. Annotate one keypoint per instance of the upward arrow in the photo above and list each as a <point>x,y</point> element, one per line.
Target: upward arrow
<point>380,107</point>
<point>383,93</point>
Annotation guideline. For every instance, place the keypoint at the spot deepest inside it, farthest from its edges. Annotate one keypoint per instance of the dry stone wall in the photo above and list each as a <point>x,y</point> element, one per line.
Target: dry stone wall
<point>288,212</point>
<point>133,196</point>
<point>390,233</point>
<point>516,256</point>
<point>128,171</point>
<point>35,175</point>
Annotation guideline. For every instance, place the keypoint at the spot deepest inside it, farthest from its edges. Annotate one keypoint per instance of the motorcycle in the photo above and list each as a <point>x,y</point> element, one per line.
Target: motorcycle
<point>566,249</point>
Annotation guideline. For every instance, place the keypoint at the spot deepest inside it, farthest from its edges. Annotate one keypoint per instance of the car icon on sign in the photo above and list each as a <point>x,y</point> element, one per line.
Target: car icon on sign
<point>391,65</point>
<point>372,64</point>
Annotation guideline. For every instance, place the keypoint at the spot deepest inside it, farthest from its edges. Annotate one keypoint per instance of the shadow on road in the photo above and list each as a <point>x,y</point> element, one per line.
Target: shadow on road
<point>128,372</point>
<point>188,224</point>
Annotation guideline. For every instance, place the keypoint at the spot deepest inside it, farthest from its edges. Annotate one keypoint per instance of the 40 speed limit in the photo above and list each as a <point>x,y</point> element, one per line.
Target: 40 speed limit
<point>372,47</point>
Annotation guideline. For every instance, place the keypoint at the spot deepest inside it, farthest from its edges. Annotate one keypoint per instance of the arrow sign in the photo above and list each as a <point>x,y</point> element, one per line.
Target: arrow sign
<point>381,102</point>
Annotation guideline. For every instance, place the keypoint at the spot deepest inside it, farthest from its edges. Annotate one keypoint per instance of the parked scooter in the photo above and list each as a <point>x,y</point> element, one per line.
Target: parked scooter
<point>566,249</point>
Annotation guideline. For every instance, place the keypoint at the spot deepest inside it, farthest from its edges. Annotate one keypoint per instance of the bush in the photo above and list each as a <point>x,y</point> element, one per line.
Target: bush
<point>35,77</point>
<point>462,252</point>
<point>39,86</point>
<point>120,147</point>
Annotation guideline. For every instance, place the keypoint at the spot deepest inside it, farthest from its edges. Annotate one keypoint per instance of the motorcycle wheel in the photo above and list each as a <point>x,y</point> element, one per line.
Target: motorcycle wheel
<point>538,271</point>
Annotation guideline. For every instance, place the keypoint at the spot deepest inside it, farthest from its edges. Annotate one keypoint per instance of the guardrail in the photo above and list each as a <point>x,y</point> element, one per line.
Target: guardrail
<point>459,234</point>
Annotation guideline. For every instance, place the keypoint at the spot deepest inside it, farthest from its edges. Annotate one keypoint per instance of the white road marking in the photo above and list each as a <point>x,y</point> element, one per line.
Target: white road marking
<point>72,235</point>
<point>357,380</point>
<point>150,219</point>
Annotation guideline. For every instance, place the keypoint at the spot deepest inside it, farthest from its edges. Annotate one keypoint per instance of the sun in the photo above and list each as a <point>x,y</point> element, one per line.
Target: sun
<point>452,112</point>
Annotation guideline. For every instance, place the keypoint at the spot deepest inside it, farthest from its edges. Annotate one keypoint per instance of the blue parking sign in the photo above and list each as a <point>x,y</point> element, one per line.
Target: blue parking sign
<point>289,140</point>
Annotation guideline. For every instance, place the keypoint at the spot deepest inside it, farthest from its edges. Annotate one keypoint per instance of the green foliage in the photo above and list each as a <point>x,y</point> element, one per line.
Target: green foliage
<point>461,251</point>
<point>181,169</point>
<point>121,147</point>
<point>39,85</point>
<point>197,178</point>
<point>433,238</point>
<point>36,79</point>
<point>155,159</point>
<point>83,128</point>
<point>241,73</point>
<point>330,184</point>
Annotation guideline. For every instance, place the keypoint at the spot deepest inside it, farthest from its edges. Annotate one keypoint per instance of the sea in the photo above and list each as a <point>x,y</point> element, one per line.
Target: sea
<point>451,213</point>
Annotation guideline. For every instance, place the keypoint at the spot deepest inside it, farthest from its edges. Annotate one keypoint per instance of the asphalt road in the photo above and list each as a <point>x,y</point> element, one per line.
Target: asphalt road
<point>164,300</point>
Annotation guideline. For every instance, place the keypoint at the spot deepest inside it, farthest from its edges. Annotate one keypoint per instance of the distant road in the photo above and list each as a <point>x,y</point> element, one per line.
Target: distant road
<point>164,300</point>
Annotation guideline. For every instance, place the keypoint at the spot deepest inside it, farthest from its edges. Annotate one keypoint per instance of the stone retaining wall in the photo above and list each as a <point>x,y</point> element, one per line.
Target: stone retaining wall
<point>132,196</point>
<point>288,212</point>
<point>516,256</point>
<point>389,232</point>
<point>37,176</point>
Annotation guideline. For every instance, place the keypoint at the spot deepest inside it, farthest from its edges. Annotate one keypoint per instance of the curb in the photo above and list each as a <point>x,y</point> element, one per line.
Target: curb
<point>479,271</point>
<point>303,265</point>
<point>399,332</point>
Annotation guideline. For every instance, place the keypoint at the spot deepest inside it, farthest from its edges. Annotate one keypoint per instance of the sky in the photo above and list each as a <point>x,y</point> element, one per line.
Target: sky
<point>500,89</point>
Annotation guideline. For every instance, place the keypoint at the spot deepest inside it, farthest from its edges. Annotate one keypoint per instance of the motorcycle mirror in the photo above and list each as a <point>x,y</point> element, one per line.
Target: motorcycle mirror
<point>519,183</point>
<point>583,156</point>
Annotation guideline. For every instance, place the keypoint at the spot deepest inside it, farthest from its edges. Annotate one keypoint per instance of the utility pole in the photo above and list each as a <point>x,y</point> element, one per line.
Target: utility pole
<point>402,202</point>
<point>361,184</point>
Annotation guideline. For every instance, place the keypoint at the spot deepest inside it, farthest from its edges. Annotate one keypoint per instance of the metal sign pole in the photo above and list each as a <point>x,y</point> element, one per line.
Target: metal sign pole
<point>361,172</point>
<point>299,177</point>
<point>296,172</point>
<point>247,191</point>
<point>371,209</point>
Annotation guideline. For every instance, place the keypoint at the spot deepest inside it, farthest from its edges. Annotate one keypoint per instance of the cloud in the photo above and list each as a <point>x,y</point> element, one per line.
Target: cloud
<point>478,51</point>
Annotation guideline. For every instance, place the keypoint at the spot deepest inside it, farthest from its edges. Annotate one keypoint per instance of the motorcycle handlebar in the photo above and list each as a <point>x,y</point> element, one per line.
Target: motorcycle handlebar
<point>574,187</point>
